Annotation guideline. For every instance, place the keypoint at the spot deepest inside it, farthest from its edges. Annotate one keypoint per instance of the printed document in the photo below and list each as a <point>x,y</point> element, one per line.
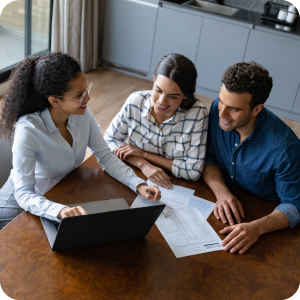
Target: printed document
<point>180,197</point>
<point>185,230</point>
<point>177,197</point>
<point>188,233</point>
<point>205,207</point>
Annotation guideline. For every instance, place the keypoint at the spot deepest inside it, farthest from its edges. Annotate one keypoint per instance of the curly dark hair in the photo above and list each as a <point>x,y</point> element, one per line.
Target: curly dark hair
<point>182,71</point>
<point>31,82</point>
<point>251,78</point>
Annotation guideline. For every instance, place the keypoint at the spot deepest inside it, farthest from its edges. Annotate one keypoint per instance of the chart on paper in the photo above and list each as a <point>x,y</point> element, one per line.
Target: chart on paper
<point>205,207</point>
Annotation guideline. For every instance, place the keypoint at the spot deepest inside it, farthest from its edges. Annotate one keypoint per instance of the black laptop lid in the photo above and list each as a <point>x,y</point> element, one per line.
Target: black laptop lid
<point>106,227</point>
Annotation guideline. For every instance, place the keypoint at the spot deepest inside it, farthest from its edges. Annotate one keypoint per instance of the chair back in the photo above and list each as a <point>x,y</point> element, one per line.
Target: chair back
<point>5,161</point>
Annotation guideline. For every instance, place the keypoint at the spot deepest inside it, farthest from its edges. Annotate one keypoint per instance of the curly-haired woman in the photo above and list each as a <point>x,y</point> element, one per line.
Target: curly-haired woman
<point>167,127</point>
<point>47,102</point>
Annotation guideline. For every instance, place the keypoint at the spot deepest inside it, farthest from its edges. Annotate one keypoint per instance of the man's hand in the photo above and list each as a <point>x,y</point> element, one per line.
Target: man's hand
<point>151,192</point>
<point>124,151</point>
<point>156,175</point>
<point>227,204</point>
<point>71,212</point>
<point>241,237</point>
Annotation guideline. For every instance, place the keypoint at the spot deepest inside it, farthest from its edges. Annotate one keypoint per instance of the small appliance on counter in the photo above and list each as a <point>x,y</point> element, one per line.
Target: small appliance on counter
<point>280,13</point>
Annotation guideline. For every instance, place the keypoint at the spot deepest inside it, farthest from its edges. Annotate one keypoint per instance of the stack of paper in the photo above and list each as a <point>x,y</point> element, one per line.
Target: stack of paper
<point>185,229</point>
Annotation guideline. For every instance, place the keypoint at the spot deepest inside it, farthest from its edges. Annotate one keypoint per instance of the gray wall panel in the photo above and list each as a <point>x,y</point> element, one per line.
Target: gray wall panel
<point>176,32</point>
<point>221,45</point>
<point>129,32</point>
<point>281,56</point>
<point>296,107</point>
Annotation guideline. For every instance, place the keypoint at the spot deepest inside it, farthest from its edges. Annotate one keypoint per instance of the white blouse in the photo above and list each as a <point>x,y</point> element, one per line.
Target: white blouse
<point>42,157</point>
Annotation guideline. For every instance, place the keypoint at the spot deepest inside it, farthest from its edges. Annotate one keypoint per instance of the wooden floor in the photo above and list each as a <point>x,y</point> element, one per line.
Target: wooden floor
<point>111,88</point>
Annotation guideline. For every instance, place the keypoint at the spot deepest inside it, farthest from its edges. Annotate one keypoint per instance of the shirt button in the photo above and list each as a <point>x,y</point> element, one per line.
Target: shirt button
<point>233,163</point>
<point>236,144</point>
<point>231,176</point>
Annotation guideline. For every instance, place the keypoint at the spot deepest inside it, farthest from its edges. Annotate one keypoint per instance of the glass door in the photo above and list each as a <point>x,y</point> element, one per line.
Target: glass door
<point>25,29</point>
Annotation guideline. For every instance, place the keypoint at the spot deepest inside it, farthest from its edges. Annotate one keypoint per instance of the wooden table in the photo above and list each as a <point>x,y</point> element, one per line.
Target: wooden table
<point>143,268</point>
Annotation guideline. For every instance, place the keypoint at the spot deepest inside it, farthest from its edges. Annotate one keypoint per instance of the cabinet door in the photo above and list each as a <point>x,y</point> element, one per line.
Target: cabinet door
<point>281,57</point>
<point>221,45</point>
<point>296,107</point>
<point>129,32</point>
<point>176,32</point>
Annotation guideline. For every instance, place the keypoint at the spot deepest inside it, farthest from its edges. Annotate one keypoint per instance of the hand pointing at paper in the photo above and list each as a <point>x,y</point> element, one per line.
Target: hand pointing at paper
<point>151,192</point>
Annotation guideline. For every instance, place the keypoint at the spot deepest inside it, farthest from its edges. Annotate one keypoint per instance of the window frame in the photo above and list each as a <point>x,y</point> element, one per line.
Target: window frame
<point>5,73</point>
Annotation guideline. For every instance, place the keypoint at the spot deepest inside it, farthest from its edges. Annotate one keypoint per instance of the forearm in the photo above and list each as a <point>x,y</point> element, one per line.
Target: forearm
<point>136,161</point>
<point>274,221</point>
<point>159,160</point>
<point>213,178</point>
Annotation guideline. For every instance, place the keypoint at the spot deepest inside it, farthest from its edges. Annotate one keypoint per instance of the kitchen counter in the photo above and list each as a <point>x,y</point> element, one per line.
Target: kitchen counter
<point>246,16</point>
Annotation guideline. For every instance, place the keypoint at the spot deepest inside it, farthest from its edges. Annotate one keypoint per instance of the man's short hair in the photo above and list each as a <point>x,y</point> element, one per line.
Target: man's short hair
<point>251,78</point>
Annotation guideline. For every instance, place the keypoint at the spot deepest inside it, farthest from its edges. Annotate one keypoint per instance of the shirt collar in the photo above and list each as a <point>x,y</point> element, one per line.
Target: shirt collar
<point>71,121</point>
<point>46,117</point>
<point>147,106</point>
<point>259,120</point>
<point>179,114</point>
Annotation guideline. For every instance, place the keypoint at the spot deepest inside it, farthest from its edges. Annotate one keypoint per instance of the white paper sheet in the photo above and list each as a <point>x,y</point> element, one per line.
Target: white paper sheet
<point>188,233</point>
<point>177,197</point>
<point>205,207</point>
<point>185,230</point>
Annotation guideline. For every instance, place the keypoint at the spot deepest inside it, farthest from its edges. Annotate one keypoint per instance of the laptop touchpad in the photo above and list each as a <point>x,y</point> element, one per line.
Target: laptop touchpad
<point>93,207</point>
<point>103,206</point>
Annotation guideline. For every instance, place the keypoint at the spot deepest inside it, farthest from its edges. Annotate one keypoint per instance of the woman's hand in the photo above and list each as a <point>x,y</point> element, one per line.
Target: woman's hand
<point>124,151</point>
<point>151,192</point>
<point>71,212</point>
<point>156,175</point>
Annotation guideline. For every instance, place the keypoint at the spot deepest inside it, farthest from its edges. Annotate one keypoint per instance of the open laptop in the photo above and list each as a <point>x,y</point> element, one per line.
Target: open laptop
<point>107,221</point>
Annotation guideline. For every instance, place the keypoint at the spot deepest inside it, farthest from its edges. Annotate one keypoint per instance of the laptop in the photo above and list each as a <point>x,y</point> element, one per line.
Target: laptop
<point>107,221</point>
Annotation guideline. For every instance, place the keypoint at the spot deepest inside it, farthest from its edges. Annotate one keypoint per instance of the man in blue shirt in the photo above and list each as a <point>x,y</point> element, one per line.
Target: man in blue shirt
<point>252,148</point>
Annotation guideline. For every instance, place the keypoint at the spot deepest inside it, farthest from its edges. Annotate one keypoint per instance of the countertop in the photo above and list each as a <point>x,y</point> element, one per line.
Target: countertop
<point>250,17</point>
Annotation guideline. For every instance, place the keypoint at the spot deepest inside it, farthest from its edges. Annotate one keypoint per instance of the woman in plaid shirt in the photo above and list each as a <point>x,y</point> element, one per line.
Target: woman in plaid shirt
<point>166,127</point>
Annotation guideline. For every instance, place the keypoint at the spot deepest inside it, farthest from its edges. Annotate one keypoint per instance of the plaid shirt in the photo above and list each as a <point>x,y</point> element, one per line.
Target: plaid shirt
<point>181,138</point>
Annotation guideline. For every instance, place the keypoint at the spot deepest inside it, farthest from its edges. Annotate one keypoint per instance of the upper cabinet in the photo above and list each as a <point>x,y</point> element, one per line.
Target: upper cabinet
<point>176,32</point>
<point>296,107</point>
<point>221,45</point>
<point>129,32</point>
<point>281,57</point>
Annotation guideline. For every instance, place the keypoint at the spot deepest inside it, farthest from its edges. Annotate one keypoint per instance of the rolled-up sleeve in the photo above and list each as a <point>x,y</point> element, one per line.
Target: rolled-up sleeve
<point>287,179</point>
<point>111,164</point>
<point>192,167</point>
<point>25,148</point>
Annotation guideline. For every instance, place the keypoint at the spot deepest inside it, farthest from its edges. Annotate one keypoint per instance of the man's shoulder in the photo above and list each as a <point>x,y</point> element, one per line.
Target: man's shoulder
<point>277,129</point>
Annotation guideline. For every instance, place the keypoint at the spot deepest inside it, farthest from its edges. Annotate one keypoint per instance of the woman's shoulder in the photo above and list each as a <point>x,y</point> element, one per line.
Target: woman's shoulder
<point>137,98</point>
<point>30,121</point>
<point>197,111</point>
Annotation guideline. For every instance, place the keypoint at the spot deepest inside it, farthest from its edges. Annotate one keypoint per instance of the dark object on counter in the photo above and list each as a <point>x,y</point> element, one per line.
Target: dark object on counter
<point>273,10</point>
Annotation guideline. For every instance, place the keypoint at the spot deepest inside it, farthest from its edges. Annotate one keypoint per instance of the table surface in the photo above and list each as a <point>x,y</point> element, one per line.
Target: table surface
<point>143,268</point>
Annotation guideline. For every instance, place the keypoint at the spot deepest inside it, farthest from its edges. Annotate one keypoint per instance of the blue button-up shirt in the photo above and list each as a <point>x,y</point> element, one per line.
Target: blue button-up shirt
<point>267,163</point>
